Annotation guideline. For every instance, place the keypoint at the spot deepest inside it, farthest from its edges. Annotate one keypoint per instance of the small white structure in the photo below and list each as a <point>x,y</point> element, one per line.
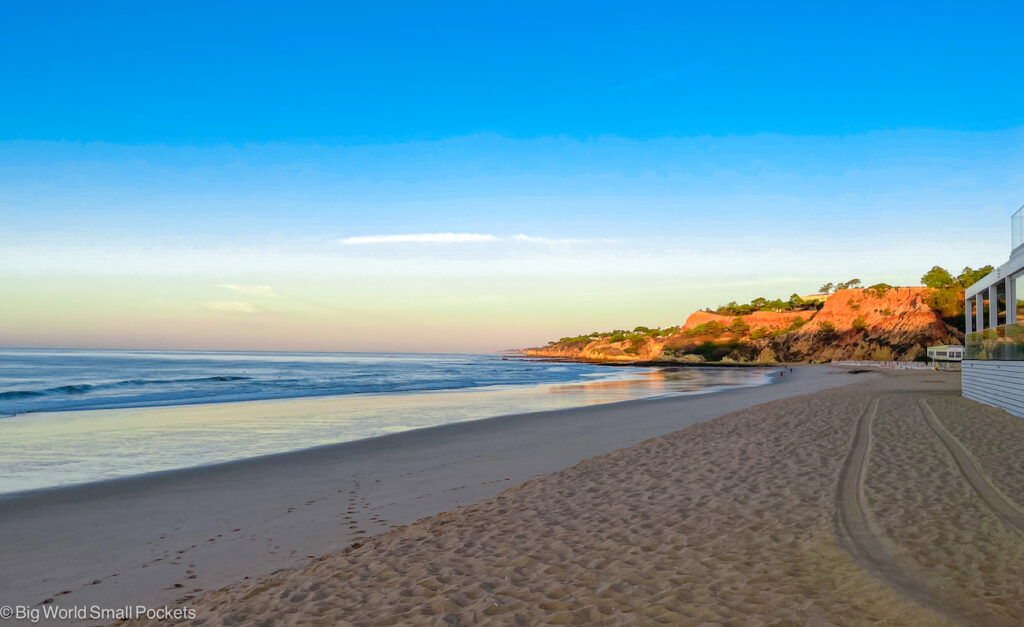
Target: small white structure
<point>814,298</point>
<point>946,352</point>
<point>993,366</point>
<point>947,356</point>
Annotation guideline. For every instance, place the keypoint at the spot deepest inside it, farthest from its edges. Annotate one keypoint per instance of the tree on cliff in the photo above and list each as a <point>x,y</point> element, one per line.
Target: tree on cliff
<point>948,296</point>
<point>938,278</point>
<point>738,327</point>
<point>826,288</point>
<point>970,276</point>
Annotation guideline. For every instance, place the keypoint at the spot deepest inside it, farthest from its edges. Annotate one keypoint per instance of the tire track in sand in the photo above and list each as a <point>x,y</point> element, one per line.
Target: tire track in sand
<point>859,534</point>
<point>1001,505</point>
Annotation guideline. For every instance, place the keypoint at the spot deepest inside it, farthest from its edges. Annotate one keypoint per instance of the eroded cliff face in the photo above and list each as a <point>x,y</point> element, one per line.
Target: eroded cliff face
<point>768,320</point>
<point>897,323</point>
<point>873,323</point>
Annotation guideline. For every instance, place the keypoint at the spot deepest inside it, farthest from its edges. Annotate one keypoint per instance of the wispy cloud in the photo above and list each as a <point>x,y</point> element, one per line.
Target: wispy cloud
<point>232,306</point>
<point>431,238</point>
<point>250,290</point>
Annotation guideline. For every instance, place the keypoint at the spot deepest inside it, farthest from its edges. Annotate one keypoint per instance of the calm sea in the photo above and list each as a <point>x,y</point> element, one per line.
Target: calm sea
<point>73,416</point>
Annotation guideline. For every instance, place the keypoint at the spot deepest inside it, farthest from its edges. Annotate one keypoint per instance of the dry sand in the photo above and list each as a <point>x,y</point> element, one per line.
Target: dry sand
<point>892,500</point>
<point>150,540</point>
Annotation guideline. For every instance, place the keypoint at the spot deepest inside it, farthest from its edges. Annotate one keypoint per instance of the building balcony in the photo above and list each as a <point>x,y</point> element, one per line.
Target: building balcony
<point>1017,229</point>
<point>1003,343</point>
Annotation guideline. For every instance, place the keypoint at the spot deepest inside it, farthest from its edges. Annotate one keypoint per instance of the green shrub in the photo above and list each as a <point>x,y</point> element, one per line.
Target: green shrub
<point>860,323</point>
<point>579,339</point>
<point>969,276</point>
<point>636,342</point>
<point>793,326</point>
<point>714,351</point>
<point>879,289</point>
<point>937,277</point>
<point>712,327</point>
<point>738,326</point>
<point>947,302</point>
<point>796,324</point>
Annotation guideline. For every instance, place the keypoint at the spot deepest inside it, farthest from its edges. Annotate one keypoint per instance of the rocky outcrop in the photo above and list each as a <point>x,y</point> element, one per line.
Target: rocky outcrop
<point>598,350</point>
<point>602,349</point>
<point>878,323</point>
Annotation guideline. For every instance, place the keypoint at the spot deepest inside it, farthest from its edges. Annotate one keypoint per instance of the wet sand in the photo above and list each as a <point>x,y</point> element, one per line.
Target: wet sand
<point>153,539</point>
<point>891,501</point>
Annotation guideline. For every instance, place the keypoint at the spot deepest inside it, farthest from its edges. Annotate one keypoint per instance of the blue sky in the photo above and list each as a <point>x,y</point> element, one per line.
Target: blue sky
<point>613,164</point>
<point>205,73</point>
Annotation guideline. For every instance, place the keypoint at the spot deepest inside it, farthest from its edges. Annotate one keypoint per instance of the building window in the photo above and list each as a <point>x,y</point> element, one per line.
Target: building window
<point>1018,287</point>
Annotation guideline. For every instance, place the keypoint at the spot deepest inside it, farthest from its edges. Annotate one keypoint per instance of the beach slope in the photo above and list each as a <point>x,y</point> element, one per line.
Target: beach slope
<point>153,539</point>
<point>883,501</point>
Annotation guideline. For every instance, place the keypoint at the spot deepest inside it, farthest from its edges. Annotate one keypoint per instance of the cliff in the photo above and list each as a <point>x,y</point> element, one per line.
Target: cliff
<point>769,320</point>
<point>881,323</point>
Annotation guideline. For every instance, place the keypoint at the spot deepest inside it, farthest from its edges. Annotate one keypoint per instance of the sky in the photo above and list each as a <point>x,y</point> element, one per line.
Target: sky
<point>472,177</point>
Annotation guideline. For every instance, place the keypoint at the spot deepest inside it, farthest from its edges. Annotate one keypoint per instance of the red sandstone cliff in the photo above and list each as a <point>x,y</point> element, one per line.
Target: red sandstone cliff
<point>871,323</point>
<point>769,320</point>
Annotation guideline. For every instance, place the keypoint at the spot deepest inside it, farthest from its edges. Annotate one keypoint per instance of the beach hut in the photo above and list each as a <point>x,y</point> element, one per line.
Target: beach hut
<point>993,366</point>
<point>946,356</point>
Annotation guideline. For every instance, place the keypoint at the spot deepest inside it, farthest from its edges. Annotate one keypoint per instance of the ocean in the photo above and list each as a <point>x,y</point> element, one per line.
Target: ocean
<point>75,416</point>
<point>34,380</point>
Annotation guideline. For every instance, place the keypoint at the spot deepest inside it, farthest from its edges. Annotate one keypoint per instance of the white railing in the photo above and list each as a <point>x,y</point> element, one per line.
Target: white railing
<point>890,365</point>
<point>1017,229</point>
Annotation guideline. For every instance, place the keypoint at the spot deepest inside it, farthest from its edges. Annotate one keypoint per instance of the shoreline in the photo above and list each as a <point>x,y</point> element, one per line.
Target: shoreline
<point>152,538</point>
<point>189,402</point>
<point>101,484</point>
<point>255,398</point>
<point>295,419</point>
<point>86,392</point>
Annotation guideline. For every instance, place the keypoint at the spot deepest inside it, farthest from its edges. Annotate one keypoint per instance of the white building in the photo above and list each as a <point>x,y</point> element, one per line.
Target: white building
<point>946,352</point>
<point>993,368</point>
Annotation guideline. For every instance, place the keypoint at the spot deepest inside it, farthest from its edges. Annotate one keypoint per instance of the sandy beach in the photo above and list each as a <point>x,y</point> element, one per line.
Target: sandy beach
<point>153,539</point>
<point>882,497</point>
<point>740,520</point>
